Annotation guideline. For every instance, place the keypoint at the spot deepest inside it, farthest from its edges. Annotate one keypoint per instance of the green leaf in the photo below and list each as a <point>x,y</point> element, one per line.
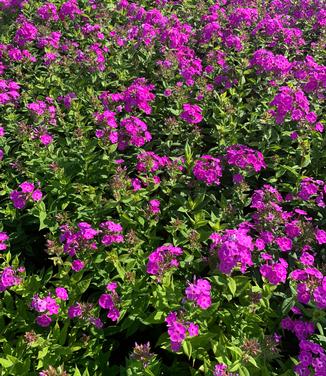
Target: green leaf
<point>77,372</point>
<point>232,285</point>
<point>187,348</point>
<point>6,363</point>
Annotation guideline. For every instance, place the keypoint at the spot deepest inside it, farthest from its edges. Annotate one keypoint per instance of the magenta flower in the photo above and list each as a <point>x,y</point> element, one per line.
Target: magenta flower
<point>200,293</point>
<point>77,265</point>
<point>320,236</point>
<point>61,293</point>
<point>75,311</point>
<point>43,321</point>
<point>208,169</point>
<point>191,113</point>
<point>46,139</point>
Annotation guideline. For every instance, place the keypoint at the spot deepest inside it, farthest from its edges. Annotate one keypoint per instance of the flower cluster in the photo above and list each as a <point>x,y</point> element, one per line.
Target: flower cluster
<point>133,131</point>
<point>191,113</point>
<point>274,271</point>
<point>245,158</point>
<point>312,356</point>
<point>48,306</point>
<point>208,169</point>
<point>137,95</point>
<point>108,125</point>
<point>311,283</point>
<point>179,330</point>
<point>109,301</point>
<point>234,248</point>
<point>69,9</point>
<point>162,259</point>
<point>154,206</point>
<point>9,277</point>
<point>27,191</point>
<point>44,110</point>
<point>111,233</point>
<point>26,33</point>
<point>9,91</point>
<point>220,369</point>
<point>79,239</point>
<point>315,190</point>
<point>3,238</point>
<point>292,102</point>
<point>266,61</point>
<point>48,12</point>
<point>200,293</point>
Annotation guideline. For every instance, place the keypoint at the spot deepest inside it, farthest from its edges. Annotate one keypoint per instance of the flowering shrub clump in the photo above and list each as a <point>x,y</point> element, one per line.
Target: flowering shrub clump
<point>162,188</point>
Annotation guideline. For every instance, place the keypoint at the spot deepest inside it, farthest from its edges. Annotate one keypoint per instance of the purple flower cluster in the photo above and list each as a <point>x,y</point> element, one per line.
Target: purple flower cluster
<point>243,16</point>
<point>311,283</point>
<point>3,238</point>
<point>9,91</point>
<point>154,206</point>
<point>109,302</point>
<point>200,293</point>
<point>133,131</point>
<point>48,12</point>
<point>234,248</point>
<point>78,240</point>
<point>179,330</point>
<point>315,190</point>
<point>108,125</point>
<point>137,95</point>
<point>111,233</point>
<point>312,76</point>
<point>162,259</point>
<point>245,158</point>
<point>208,169</point>
<point>300,328</point>
<point>191,113</point>
<point>274,271</point>
<point>312,357</point>
<point>44,110</point>
<point>26,33</point>
<point>27,192</point>
<point>9,277</point>
<point>67,99</point>
<point>292,102</point>
<point>48,306</point>
<point>266,61</point>
<point>220,369</point>
<point>69,9</point>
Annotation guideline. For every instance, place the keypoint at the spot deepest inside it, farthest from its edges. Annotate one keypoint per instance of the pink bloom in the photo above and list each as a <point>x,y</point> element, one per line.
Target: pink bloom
<point>77,265</point>
<point>191,113</point>
<point>37,195</point>
<point>27,187</point>
<point>320,236</point>
<point>61,293</point>
<point>46,139</point>
<point>43,320</point>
